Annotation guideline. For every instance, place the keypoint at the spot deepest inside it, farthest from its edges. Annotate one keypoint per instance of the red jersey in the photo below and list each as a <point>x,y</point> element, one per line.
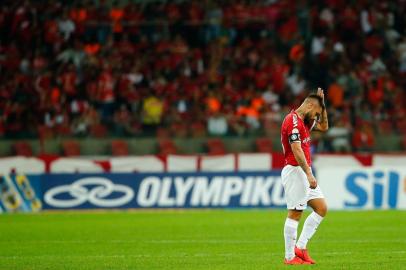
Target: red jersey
<point>294,130</point>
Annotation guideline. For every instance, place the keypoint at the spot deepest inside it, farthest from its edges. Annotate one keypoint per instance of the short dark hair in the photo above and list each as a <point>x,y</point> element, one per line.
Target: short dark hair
<point>317,97</point>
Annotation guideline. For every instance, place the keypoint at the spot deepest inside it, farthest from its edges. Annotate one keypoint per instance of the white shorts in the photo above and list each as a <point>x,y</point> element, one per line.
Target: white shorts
<point>297,189</point>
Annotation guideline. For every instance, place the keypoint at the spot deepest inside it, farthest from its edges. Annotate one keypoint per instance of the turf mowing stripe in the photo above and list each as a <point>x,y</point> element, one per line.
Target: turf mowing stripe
<point>191,241</point>
<point>189,255</point>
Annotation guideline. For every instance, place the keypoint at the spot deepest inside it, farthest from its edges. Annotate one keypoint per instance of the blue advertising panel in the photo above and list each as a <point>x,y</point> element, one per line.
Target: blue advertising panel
<point>343,187</point>
<point>169,190</point>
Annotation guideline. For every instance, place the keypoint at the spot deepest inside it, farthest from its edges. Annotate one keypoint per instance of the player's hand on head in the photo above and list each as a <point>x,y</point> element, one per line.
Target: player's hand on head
<point>320,93</point>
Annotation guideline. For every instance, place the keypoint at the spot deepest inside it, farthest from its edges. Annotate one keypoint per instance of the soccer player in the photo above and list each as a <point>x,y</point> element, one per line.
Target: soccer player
<point>300,185</point>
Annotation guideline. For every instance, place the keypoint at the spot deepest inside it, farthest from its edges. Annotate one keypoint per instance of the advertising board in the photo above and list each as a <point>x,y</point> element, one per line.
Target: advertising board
<point>364,188</point>
<point>171,190</point>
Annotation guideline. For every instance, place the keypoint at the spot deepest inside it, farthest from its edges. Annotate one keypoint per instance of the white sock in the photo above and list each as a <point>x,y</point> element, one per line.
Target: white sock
<point>290,233</point>
<point>309,228</point>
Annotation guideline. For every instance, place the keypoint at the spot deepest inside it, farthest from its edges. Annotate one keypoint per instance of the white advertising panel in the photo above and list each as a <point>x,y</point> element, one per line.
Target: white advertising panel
<point>136,164</point>
<point>74,165</point>
<point>22,165</point>
<point>177,163</point>
<point>221,163</point>
<point>254,162</point>
<point>389,160</point>
<point>375,187</point>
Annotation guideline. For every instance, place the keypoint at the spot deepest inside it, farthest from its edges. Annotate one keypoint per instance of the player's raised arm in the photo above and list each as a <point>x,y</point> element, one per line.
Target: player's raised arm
<point>322,123</point>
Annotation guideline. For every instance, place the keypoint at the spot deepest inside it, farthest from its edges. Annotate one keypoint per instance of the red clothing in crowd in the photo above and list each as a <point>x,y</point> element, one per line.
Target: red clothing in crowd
<point>68,81</point>
<point>106,87</point>
<point>363,139</point>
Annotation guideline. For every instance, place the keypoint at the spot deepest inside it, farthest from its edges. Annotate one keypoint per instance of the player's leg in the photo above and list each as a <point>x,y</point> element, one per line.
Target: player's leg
<point>296,195</point>
<point>290,234</point>
<point>313,221</point>
<point>319,206</point>
<point>310,226</point>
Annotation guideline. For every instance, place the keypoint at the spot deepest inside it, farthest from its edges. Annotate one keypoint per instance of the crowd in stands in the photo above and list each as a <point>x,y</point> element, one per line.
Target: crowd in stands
<point>196,68</point>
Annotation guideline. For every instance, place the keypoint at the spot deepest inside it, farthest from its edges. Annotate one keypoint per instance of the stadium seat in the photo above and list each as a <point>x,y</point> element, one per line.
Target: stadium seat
<point>22,148</point>
<point>404,142</point>
<point>263,145</point>
<point>98,131</point>
<point>71,148</point>
<point>167,147</point>
<point>119,148</point>
<point>64,130</point>
<point>216,147</point>
<point>385,127</point>
<point>179,130</point>
<point>271,128</point>
<point>401,126</point>
<point>198,130</point>
<point>162,133</point>
<point>45,132</point>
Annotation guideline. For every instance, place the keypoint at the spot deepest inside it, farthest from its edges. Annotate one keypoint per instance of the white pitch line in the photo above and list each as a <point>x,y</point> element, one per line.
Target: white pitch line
<point>193,241</point>
<point>183,255</point>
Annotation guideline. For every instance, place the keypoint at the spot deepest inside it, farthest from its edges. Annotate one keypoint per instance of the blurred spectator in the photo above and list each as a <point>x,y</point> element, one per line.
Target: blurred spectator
<point>363,138</point>
<point>214,16</point>
<point>82,124</point>
<point>124,124</point>
<point>401,51</point>
<point>217,124</point>
<point>66,26</point>
<point>296,83</point>
<point>335,94</point>
<point>152,110</point>
<point>213,103</point>
<point>75,55</point>
<point>106,93</point>
<point>339,136</point>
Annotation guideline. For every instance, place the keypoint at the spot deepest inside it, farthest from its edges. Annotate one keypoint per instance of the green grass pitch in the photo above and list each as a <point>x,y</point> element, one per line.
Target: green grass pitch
<point>215,239</point>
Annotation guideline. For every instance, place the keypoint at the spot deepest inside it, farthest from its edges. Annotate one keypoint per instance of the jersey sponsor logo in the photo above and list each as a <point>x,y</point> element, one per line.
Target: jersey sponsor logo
<point>294,120</point>
<point>218,191</point>
<point>306,140</point>
<point>98,191</point>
